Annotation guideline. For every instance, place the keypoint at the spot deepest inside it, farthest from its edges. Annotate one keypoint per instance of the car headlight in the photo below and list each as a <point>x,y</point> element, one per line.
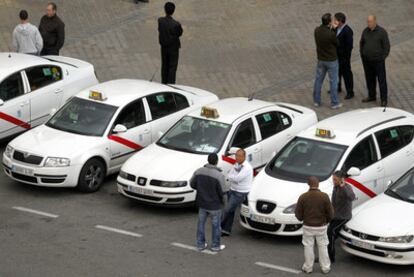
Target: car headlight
<point>57,162</point>
<point>400,239</point>
<point>9,151</point>
<point>166,184</point>
<point>290,210</point>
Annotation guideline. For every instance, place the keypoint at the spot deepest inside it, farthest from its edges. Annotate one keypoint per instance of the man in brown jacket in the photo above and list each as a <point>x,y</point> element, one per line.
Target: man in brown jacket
<point>315,210</point>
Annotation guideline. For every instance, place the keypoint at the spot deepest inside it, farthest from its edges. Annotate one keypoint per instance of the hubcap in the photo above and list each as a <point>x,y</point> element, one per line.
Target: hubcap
<point>93,176</point>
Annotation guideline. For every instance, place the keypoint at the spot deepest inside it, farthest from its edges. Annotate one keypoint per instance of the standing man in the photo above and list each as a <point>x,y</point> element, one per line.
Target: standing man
<point>26,37</point>
<point>208,182</point>
<point>240,178</point>
<point>345,37</point>
<point>326,43</point>
<point>342,197</point>
<point>169,31</point>
<point>315,210</point>
<point>375,48</point>
<point>52,30</point>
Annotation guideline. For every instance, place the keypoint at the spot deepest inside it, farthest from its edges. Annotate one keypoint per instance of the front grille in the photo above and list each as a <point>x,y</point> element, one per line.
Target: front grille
<point>27,158</point>
<point>25,178</point>
<point>368,251</point>
<point>292,227</point>
<point>146,197</point>
<point>265,207</point>
<point>364,236</point>
<point>263,226</point>
<point>52,180</point>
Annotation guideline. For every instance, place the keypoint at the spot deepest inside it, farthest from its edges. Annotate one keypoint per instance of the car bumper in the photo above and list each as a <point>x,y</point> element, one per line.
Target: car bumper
<point>156,195</point>
<point>41,176</point>
<point>380,252</point>
<point>269,223</point>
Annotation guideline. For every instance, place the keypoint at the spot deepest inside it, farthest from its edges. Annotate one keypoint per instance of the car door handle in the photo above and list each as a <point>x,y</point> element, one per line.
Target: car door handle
<point>289,136</point>
<point>379,168</point>
<point>24,104</point>
<point>59,90</point>
<point>255,150</point>
<point>146,131</point>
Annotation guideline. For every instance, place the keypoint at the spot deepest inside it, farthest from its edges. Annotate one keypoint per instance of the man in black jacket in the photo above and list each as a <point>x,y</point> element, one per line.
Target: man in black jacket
<point>52,29</point>
<point>209,182</point>
<point>345,37</point>
<point>169,31</point>
<point>374,49</point>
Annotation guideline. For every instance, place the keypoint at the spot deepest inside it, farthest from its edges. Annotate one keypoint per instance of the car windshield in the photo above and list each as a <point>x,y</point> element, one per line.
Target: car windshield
<point>81,116</point>
<point>195,135</point>
<point>302,158</point>
<point>403,188</point>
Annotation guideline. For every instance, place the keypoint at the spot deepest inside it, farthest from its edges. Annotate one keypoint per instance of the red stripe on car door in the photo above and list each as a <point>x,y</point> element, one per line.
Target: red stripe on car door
<point>125,142</point>
<point>14,120</point>
<point>361,187</point>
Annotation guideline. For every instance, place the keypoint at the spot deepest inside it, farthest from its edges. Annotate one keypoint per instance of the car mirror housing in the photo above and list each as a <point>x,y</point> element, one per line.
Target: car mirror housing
<point>119,128</point>
<point>1,102</point>
<point>354,171</point>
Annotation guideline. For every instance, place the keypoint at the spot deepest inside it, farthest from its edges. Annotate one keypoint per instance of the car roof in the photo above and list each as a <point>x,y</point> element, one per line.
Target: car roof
<point>122,91</point>
<point>230,109</point>
<point>12,62</point>
<point>349,125</point>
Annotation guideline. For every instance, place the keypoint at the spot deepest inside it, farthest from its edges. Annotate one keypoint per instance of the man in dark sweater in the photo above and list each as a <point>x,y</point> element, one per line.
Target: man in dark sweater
<point>52,29</point>
<point>375,48</point>
<point>342,198</point>
<point>209,182</point>
<point>326,43</point>
<point>169,31</point>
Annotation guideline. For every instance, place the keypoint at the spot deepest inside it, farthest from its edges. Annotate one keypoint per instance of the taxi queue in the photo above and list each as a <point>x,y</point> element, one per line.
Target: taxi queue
<point>141,128</point>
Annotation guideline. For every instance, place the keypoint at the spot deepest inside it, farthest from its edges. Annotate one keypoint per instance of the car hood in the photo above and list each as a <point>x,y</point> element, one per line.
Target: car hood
<point>383,216</point>
<point>46,141</point>
<point>284,193</point>
<point>156,162</point>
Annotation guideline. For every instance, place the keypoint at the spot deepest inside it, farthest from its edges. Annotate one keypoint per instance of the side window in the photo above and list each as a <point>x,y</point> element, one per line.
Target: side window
<point>132,115</point>
<point>407,133</point>
<point>285,120</point>
<point>161,104</point>
<point>11,87</point>
<point>181,102</point>
<point>41,76</point>
<point>362,155</point>
<point>245,135</point>
<point>389,141</point>
<point>269,124</point>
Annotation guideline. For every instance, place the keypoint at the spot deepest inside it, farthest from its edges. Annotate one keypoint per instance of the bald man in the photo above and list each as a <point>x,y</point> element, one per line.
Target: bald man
<point>374,49</point>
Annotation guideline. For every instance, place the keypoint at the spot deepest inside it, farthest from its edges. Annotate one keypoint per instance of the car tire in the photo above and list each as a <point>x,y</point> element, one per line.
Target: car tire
<point>91,176</point>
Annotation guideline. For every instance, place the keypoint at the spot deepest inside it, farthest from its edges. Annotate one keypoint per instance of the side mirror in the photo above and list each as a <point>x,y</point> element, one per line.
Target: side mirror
<point>1,102</point>
<point>119,128</point>
<point>232,151</point>
<point>354,171</point>
<point>389,183</point>
<point>160,134</point>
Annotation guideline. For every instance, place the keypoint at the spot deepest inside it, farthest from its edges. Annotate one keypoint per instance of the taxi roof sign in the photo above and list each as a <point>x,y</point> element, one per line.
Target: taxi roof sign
<point>96,95</point>
<point>324,133</point>
<point>209,112</point>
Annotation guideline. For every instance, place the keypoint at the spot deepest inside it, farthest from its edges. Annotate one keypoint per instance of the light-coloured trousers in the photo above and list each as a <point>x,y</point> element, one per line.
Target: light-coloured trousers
<point>310,235</point>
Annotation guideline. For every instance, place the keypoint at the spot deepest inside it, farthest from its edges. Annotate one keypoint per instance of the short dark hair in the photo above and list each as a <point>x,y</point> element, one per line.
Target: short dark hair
<point>341,17</point>
<point>326,18</point>
<point>340,174</point>
<point>53,4</point>
<point>23,15</point>
<point>212,159</point>
<point>313,181</point>
<point>169,8</point>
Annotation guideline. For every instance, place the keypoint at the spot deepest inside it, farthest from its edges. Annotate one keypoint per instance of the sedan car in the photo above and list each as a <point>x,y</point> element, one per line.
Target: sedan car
<point>32,88</point>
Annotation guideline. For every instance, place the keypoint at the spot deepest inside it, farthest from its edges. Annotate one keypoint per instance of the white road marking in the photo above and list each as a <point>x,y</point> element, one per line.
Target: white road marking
<point>119,231</point>
<point>278,267</point>
<point>193,248</point>
<point>23,209</point>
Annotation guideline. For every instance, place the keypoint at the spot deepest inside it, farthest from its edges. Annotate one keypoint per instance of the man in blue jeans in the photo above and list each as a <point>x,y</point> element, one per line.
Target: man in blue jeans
<point>326,48</point>
<point>240,178</point>
<point>208,181</point>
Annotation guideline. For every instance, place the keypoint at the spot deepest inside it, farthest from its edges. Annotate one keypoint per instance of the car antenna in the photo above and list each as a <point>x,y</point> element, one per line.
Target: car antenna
<point>9,52</point>
<point>153,75</point>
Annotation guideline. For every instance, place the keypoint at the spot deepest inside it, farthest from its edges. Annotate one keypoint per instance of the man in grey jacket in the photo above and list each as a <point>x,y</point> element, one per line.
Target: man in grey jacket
<point>26,37</point>
<point>342,197</point>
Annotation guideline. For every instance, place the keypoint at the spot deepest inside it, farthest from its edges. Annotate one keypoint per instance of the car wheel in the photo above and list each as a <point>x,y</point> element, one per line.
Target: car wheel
<point>91,176</point>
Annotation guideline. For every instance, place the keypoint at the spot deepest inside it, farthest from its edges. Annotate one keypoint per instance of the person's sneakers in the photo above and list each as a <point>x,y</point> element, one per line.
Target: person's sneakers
<point>369,99</point>
<point>316,104</point>
<point>306,271</point>
<point>337,106</point>
<point>349,96</point>
<point>326,271</point>
<point>218,249</point>
<point>224,233</point>
<point>202,248</point>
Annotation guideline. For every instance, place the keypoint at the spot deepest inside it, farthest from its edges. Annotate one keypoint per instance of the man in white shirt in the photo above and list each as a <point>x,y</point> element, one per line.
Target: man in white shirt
<point>240,178</point>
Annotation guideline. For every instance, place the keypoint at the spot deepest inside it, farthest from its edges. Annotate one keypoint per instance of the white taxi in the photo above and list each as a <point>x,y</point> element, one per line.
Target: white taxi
<point>382,229</point>
<point>31,87</point>
<point>96,131</point>
<point>160,173</point>
<point>372,145</point>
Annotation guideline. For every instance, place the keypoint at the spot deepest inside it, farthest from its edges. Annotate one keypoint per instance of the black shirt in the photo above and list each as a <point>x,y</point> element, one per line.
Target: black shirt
<point>326,43</point>
<point>169,31</point>
<point>52,30</point>
<point>374,44</point>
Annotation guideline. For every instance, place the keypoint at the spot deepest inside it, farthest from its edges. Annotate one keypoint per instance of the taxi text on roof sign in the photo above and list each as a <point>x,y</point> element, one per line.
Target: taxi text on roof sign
<point>96,95</point>
<point>324,133</point>
<point>209,112</point>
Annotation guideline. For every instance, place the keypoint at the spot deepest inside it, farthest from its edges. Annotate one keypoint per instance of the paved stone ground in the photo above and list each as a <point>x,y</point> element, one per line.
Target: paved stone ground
<point>232,47</point>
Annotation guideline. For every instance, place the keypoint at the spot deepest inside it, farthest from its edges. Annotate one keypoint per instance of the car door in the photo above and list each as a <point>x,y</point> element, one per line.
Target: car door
<point>166,109</point>
<point>46,87</point>
<point>369,183</point>
<point>136,136</point>
<point>14,105</point>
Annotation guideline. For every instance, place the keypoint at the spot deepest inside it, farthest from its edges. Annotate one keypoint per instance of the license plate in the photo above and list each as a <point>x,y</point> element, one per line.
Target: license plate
<point>22,170</point>
<point>262,219</point>
<point>362,244</point>
<point>139,190</point>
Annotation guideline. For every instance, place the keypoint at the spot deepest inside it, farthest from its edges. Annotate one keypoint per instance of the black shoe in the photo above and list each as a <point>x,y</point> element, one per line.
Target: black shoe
<point>369,99</point>
<point>225,234</point>
<point>349,96</point>
<point>384,103</point>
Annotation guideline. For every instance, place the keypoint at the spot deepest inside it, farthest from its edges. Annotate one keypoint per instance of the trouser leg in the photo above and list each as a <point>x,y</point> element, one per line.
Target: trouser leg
<point>216,228</point>
<point>201,239</point>
<point>322,241</point>
<point>172,65</point>
<point>370,78</point>
<point>308,241</point>
<point>333,81</point>
<point>382,80</point>
<point>164,65</point>
<point>319,77</point>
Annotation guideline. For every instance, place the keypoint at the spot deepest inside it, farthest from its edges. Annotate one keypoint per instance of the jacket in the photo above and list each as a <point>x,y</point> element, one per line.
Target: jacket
<point>314,208</point>
<point>208,181</point>
<point>342,198</point>
<point>27,39</point>
<point>346,42</point>
<point>374,44</point>
<point>326,43</point>
<point>52,30</point>
<point>169,31</point>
